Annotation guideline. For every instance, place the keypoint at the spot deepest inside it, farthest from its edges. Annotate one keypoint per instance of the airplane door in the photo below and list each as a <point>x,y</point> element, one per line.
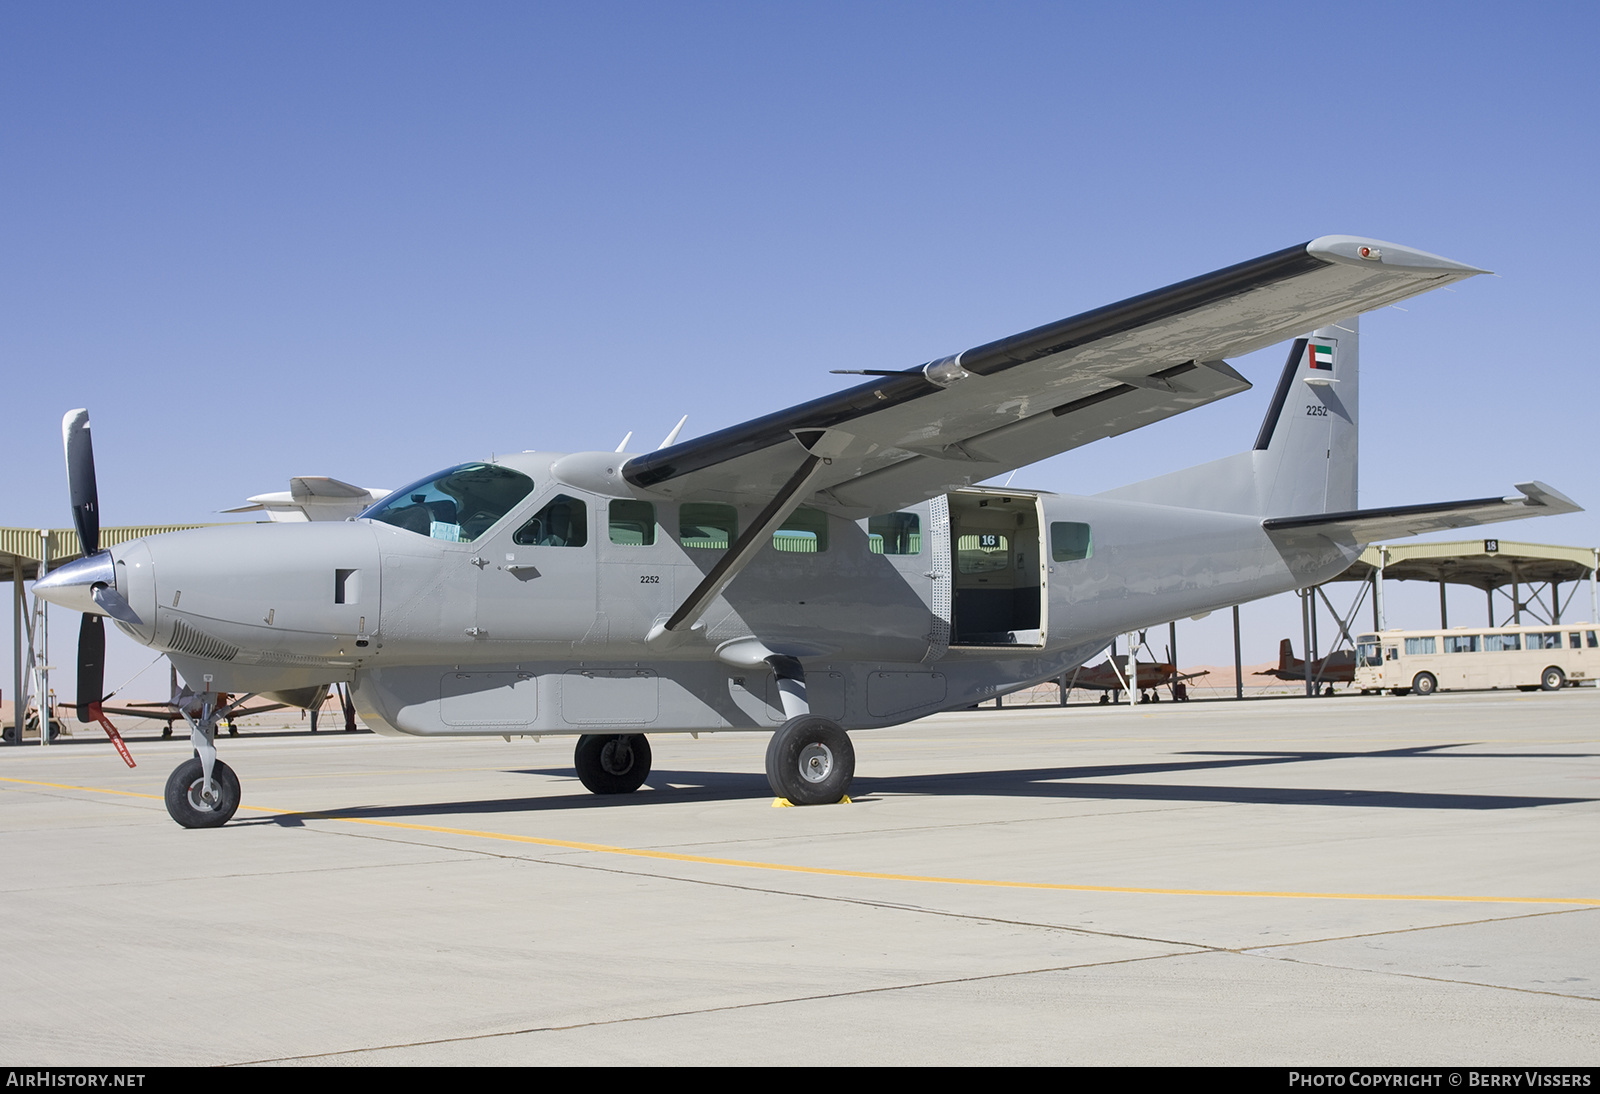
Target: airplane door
<point>536,580</point>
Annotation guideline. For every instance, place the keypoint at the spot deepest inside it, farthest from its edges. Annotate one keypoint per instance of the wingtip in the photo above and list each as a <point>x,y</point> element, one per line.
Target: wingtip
<point>1360,251</point>
<point>1547,497</point>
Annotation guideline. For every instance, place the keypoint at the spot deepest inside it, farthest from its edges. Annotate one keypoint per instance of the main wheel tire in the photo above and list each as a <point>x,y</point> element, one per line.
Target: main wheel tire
<point>186,799</point>
<point>1424,684</point>
<point>1553,679</point>
<point>810,761</point>
<point>612,763</point>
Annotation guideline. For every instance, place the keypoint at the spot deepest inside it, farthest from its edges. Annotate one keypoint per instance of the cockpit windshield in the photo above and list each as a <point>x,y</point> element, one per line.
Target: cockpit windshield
<point>457,505</point>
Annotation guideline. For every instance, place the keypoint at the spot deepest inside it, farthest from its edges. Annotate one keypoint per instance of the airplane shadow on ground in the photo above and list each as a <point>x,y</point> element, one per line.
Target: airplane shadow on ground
<point>1040,783</point>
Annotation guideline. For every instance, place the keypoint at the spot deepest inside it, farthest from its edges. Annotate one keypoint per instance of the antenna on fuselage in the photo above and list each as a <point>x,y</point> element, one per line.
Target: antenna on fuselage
<point>624,445</point>
<point>674,434</point>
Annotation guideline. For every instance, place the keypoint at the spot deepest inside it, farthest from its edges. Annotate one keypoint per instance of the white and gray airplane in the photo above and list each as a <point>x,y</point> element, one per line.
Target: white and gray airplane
<point>827,567</point>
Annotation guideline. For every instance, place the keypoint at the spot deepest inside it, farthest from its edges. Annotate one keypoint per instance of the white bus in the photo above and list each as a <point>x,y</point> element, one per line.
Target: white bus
<point>1551,656</point>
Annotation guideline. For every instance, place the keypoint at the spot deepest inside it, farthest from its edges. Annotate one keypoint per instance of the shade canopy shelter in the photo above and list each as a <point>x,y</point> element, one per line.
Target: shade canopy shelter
<point>1527,576</point>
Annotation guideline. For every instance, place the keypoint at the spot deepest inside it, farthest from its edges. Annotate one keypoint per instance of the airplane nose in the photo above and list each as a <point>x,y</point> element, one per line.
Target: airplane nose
<point>88,585</point>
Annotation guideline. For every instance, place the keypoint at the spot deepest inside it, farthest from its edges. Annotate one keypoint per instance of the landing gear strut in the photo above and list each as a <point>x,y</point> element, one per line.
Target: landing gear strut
<point>612,763</point>
<point>203,792</point>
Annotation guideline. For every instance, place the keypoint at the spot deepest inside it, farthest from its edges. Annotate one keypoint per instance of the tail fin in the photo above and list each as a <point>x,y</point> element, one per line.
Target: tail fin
<point>1285,655</point>
<point>1306,453</point>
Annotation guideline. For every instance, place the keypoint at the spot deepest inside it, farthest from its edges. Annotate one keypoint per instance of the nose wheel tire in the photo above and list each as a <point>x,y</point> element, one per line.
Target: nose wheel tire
<point>612,763</point>
<point>190,805</point>
<point>810,761</point>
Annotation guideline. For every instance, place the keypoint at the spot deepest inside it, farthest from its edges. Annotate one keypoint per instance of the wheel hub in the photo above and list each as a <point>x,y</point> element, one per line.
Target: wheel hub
<point>616,758</point>
<point>816,762</point>
<point>201,799</point>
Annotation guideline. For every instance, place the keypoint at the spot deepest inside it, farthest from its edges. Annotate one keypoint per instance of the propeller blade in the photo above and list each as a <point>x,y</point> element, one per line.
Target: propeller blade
<point>91,666</point>
<point>115,606</point>
<point>80,479</point>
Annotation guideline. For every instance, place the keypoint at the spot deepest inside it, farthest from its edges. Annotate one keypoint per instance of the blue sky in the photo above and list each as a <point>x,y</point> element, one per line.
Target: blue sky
<point>372,239</point>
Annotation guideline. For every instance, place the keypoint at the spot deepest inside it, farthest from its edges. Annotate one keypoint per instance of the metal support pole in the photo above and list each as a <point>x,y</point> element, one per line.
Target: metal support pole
<point>41,653</point>
<point>1377,589</point>
<point>1516,596</point>
<point>1444,611</point>
<point>1305,636</point>
<point>1314,650</point>
<point>1133,669</point>
<point>18,604</point>
<point>1377,624</point>
<point>1594,588</point>
<point>1238,663</point>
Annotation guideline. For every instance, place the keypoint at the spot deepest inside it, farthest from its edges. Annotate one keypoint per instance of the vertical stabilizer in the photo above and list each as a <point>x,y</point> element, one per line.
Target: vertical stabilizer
<point>1304,459</point>
<point>1305,455</point>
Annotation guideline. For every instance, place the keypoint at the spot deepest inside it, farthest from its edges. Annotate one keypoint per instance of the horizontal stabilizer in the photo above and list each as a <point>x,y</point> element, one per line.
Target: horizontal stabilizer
<point>1374,525</point>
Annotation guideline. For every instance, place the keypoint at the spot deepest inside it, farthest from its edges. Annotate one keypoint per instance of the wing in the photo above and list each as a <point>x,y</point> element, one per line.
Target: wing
<point>906,436</point>
<point>1375,525</point>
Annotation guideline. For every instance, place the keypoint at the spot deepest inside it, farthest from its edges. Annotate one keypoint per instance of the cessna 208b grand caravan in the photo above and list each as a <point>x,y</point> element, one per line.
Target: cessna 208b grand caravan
<point>824,568</point>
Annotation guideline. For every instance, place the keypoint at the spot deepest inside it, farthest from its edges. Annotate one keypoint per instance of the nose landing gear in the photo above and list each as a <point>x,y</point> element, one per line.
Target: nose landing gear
<point>203,792</point>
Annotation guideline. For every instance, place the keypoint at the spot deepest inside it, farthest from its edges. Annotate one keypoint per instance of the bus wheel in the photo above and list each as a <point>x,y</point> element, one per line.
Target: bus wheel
<point>1424,684</point>
<point>1553,679</point>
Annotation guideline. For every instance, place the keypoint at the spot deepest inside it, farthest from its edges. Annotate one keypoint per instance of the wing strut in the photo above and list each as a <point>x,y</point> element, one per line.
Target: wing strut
<point>819,444</point>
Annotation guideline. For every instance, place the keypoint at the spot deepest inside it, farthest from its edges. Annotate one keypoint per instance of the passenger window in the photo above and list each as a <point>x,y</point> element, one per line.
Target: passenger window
<point>1501,643</point>
<point>1418,645</point>
<point>707,525</point>
<point>1393,653</point>
<point>633,523</point>
<point>563,522</point>
<point>805,532</point>
<point>895,534</point>
<point>1070,541</point>
<point>1575,641</point>
<point>1590,635</point>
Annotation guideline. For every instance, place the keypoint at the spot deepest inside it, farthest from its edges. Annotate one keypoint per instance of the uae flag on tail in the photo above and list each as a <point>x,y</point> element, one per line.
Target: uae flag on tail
<point>1321,356</point>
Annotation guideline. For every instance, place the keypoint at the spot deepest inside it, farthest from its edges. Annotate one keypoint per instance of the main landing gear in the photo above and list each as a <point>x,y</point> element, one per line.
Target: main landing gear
<point>612,763</point>
<point>810,761</point>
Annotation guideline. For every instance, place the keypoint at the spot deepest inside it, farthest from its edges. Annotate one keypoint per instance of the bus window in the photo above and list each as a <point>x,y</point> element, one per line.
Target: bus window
<point>1460,643</point>
<point>1501,643</point>
<point>1367,654</point>
<point>1591,638</point>
<point>1575,641</point>
<point>1419,645</point>
<point>1393,653</point>
<point>1544,640</point>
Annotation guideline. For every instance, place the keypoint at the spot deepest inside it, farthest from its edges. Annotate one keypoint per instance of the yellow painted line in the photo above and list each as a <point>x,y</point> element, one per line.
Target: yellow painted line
<point>868,875</point>
<point>85,789</point>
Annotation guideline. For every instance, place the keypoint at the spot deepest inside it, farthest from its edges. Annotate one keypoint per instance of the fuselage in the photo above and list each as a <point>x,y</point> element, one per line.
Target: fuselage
<point>534,619</point>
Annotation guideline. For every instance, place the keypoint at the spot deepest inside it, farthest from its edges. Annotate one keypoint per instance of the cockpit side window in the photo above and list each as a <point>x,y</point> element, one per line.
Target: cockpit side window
<point>457,505</point>
<point>564,522</point>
